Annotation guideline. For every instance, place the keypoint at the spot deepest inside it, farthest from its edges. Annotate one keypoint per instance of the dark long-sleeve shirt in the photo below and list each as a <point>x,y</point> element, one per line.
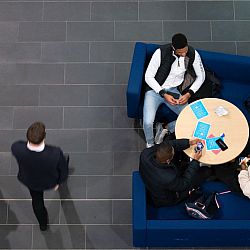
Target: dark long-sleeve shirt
<point>166,182</point>
<point>40,170</point>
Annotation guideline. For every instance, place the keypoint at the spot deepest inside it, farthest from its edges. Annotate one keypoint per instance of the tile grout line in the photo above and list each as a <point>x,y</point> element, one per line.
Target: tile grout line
<point>85,235</point>
<point>138,10</point>
<point>112,212</point>
<point>60,212</point>
<point>186,4</point>
<point>90,11</point>
<point>89,43</point>
<point>86,187</point>
<point>32,236</point>
<point>63,114</point>
<point>43,11</point>
<point>234,9</point>
<point>114,74</point>
<point>66,31</point>
<point>162,30</point>
<point>114,27</point>
<point>7,212</point>
<point>211,30</point>
<point>113,162</point>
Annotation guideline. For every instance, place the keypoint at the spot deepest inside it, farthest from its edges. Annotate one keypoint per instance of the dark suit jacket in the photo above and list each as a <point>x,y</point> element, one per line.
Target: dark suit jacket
<point>166,183</point>
<point>40,170</point>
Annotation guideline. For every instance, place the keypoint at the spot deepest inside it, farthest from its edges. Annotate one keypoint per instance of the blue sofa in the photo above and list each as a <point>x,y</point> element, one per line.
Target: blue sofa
<point>170,227</point>
<point>233,72</point>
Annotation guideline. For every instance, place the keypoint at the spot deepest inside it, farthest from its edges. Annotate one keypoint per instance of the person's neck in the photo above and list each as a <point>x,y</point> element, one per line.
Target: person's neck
<point>36,147</point>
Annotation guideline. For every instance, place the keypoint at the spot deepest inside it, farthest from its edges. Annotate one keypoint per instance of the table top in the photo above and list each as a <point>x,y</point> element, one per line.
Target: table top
<point>234,125</point>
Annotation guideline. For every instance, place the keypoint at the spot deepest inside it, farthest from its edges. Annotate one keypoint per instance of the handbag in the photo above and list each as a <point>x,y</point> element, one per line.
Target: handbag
<point>200,205</point>
<point>210,87</point>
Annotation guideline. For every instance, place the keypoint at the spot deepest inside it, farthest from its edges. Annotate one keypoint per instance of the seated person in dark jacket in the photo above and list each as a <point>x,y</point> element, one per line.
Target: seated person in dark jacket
<point>167,183</point>
<point>41,167</point>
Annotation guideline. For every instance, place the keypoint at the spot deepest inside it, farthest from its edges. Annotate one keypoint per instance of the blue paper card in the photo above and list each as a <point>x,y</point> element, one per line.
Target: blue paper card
<point>199,110</point>
<point>201,130</point>
<point>211,144</point>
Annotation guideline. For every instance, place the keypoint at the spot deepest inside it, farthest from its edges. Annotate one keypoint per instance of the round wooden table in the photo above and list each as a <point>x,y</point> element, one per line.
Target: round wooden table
<point>234,125</point>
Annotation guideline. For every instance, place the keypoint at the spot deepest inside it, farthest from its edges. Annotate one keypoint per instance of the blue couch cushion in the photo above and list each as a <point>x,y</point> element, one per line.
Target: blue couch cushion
<point>168,213</point>
<point>231,205</point>
<point>226,66</point>
<point>236,93</point>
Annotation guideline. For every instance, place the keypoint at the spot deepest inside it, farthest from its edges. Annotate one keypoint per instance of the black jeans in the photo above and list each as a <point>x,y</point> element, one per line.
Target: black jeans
<point>38,207</point>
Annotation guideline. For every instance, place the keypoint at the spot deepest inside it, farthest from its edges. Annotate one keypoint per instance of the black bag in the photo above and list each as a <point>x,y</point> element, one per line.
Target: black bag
<point>210,87</point>
<point>201,205</point>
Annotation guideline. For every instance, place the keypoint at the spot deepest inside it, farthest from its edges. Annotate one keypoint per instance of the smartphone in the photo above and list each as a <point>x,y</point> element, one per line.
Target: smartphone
<point>221,144</point>
<point>199,147</point>
<point>175,95</point>
<point>241,159</point>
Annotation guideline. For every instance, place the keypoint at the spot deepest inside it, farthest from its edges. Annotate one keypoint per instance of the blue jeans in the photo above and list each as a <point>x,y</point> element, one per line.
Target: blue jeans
<point>152,101</point>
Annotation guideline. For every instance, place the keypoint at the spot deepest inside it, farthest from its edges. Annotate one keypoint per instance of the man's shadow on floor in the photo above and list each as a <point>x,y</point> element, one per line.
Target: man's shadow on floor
<point>64,193</point>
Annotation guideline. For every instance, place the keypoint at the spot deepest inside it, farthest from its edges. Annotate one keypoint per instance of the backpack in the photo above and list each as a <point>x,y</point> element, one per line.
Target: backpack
<point>200,205</point>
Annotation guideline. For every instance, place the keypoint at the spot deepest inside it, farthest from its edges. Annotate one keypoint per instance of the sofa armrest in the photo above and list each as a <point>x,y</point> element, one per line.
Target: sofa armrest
<point>136,79</point>
<point>139,211</point>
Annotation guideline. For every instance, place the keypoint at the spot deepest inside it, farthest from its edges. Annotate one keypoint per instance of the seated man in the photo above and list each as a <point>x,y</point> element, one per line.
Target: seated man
<point>166,182</point>
<point>166,70</point>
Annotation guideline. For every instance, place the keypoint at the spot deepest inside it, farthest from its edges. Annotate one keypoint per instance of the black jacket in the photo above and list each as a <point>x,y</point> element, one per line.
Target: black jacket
<point>166,183</point>
<point>40,170</point>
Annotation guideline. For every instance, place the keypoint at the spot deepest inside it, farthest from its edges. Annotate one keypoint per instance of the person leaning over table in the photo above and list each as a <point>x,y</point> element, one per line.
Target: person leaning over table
<point>168,183</point>
<point>166,71</point>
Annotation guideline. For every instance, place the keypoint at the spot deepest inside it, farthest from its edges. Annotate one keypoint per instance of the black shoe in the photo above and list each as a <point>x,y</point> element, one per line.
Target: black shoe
<point>43,227</point>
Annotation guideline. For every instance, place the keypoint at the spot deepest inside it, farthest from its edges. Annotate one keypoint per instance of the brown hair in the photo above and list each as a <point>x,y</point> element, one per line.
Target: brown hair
<point>36,133</point>
<point>164,152</point>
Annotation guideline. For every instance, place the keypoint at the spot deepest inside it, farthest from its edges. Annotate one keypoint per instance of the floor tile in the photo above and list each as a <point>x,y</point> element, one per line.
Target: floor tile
<point>59,237</point>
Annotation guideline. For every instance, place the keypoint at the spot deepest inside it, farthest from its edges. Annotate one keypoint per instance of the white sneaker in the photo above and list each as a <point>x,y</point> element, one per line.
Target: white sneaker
<point>159,129</point>
<point>148,145</point>
<point>161,136</point>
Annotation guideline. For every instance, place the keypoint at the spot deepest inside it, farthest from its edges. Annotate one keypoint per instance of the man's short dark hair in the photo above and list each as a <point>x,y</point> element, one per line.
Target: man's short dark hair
<point>179,41</point>
<point>164,152</point>
<point>36,133</point>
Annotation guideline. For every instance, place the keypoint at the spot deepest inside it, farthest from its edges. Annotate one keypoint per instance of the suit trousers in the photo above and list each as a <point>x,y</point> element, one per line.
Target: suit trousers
<point>38,207</point>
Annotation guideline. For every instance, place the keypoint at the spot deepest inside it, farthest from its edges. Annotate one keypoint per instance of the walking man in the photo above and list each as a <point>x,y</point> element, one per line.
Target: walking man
<point>41,167</point>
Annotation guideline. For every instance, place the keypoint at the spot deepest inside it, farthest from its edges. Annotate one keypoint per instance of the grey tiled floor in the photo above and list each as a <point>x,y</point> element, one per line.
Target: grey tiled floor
<point>66,63</point>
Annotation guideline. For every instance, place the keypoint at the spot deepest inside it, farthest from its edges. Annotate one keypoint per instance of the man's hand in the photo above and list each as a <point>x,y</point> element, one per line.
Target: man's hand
<point>197,155</point>
<point>194,141</point>
<point>170,99</point>
<point>56,187</point>
<point>184,98</point>
<point>243,166</point>
<point>243,163</point>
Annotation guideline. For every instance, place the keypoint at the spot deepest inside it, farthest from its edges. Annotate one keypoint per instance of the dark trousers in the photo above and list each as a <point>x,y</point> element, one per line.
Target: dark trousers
<point>38,207</point>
